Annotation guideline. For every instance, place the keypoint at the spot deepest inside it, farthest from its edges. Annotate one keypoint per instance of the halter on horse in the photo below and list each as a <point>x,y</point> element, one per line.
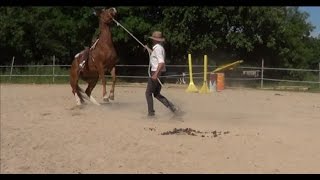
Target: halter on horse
<point>91,64</point>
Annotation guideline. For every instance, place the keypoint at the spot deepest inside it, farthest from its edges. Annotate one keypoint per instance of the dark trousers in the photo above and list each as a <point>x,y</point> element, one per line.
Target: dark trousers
<point>154,87</point>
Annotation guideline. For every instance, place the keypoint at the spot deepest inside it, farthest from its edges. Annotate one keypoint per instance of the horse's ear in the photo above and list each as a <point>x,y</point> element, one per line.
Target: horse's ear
<point>96,11</point>
<point>114,9</point>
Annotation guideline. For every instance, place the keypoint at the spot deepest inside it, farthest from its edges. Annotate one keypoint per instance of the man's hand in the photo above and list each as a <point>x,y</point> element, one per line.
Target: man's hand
<point>148,49</point>
<point>154,76</point>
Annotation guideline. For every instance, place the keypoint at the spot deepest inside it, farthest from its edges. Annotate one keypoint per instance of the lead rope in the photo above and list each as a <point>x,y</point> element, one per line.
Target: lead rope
<point>118,24</point>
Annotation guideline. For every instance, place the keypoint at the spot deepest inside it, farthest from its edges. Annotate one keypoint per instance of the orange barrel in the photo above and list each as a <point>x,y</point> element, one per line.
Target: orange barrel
<point>220,81</point>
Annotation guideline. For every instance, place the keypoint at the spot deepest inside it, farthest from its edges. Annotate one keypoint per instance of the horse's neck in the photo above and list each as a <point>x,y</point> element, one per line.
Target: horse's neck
<point>105,34</point>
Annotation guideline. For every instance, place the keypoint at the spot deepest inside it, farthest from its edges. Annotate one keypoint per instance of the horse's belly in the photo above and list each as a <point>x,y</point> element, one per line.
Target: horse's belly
<point>110,64</point>
<point>109,67</point>
<point>89,74</point>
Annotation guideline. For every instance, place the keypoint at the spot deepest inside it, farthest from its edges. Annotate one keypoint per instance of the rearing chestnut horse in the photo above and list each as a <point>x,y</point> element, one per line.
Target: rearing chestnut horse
<point>91,64</point>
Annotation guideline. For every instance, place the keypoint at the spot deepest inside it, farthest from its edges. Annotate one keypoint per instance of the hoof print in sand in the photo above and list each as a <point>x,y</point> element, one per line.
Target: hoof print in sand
<point>150,129</point>
<point>45,114</point>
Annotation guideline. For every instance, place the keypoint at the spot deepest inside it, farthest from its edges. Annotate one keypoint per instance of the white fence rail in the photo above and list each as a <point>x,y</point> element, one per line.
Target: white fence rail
<point>245,70</point>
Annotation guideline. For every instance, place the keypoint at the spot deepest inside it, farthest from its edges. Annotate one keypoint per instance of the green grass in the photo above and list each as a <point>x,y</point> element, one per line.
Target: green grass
<point>48,79</point>
<point>34,71</point>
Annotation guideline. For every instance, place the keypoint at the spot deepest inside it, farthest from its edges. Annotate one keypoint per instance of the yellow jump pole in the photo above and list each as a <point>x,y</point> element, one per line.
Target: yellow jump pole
<point>204,89</point>
<point>191,87</point>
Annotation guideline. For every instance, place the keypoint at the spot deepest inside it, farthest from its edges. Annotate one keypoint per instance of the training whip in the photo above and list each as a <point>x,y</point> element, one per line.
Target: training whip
<point>118,24</point>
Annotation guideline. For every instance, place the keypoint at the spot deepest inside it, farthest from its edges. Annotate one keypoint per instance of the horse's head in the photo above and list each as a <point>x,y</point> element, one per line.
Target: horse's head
<point>106,15</point>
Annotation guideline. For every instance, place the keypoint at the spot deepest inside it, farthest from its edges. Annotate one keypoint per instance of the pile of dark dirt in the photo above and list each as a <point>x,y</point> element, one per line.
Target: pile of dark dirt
<point>192,132</point>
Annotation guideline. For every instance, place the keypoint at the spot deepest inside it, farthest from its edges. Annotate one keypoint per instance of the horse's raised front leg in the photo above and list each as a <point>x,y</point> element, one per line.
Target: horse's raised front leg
<point>113,74</point>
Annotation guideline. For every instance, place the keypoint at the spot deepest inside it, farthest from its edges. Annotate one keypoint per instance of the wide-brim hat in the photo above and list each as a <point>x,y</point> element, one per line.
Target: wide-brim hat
<point>157,36</point>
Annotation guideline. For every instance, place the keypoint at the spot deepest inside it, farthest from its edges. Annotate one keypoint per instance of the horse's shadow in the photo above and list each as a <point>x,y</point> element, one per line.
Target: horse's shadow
<point>110,105</point>
<point>77,107</point>
<point>115,105</point>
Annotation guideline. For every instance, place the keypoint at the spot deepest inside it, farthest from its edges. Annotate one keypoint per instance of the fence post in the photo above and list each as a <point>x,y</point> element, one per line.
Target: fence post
<point>11,67</point>
<point>319,75</point>
<point>53,65</point>
<point>262,66</point>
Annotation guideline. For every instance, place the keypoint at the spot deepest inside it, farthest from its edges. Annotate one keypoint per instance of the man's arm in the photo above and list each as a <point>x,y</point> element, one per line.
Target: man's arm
<point>155,76</point>
<point>148,49</point>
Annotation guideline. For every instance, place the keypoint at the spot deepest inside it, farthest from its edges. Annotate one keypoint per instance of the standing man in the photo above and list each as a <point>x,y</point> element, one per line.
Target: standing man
<point>157,60</point>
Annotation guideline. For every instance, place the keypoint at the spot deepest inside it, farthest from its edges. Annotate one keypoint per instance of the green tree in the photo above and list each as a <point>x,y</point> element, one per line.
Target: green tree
<point>279,35</point>
<point>34,34</point>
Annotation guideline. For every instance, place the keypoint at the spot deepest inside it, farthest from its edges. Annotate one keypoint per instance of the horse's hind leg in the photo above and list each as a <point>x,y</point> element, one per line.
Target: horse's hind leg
<point>91,84</point>
<point>113,74</point>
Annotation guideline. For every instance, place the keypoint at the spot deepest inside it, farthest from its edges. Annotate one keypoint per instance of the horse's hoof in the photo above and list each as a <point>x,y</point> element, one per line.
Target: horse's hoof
<point>105,99</point>
<point>111,98</point>
<point>79,102</point>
